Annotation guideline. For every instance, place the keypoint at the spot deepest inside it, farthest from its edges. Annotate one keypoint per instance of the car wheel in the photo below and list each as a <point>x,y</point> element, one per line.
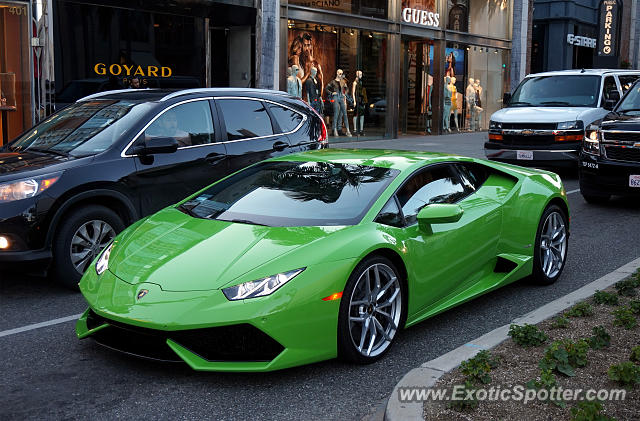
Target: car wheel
<point>595,199</point>
<point>371,311</point>
<point>79,239</point>
<point>550,253</point>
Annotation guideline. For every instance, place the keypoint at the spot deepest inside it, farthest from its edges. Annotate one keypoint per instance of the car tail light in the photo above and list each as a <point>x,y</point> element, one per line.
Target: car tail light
<point>323,139</point>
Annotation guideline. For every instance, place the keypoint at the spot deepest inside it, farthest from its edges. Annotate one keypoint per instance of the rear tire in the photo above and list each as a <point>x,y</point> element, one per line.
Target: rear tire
<point>370,318</point>
<point>79,239</point>
<point>552,244</point>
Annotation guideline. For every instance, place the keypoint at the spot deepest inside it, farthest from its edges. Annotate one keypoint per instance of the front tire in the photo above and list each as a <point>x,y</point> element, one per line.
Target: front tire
<point>79,239</point>
<point>372,310</point>
<point>552,241</point>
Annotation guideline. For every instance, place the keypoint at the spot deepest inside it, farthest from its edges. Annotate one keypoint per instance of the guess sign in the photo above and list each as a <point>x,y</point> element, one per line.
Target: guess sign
<point>421,17</point>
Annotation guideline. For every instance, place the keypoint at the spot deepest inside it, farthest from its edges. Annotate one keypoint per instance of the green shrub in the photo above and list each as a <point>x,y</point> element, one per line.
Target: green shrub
<point>627,287</point>
<point>602,297</point>
<point>624,317</point>
<point>582,309</point>
<point>464,403</point>
<point>527,335</point>
<point>627,374</point>
<point>547,381</point>
<point>565,356</point>
<point>634,305</point>
<point>600,338</point>
<point>560,322</point>
<point>635,354</point>
<point>477,368</point>
<point>589,411</point>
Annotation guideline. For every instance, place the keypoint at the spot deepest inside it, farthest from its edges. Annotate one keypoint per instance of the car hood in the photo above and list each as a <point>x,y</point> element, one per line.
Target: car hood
<point>621,122</point>
<point>15,165</point>
<point>538,114</point>
<point>182,253</point>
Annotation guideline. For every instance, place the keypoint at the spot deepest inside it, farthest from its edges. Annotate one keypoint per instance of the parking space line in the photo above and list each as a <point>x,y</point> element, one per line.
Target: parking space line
<point>39,325</point>
<point>573,191</point>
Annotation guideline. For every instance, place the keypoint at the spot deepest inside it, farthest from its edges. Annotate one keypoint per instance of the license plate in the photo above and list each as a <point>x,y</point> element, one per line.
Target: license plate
<point>527,155</point>
<point>634,180</point>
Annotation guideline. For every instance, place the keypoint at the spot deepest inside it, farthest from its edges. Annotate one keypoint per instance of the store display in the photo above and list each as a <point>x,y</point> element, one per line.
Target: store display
<point>294,84</point>
<point>446,113</point>
<point>359,93</point>
<point>313,91</point>
<point>336,91</point>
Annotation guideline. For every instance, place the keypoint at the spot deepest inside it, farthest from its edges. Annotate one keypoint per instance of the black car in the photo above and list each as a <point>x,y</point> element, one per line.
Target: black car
<point>610,155</point>
<point>71,183</point>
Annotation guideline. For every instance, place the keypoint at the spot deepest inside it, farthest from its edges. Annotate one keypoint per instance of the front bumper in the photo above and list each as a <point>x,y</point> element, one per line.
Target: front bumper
<point>561,154</point>
<point>22,222</point>
<point>291,327</point>
<point>599,176</point>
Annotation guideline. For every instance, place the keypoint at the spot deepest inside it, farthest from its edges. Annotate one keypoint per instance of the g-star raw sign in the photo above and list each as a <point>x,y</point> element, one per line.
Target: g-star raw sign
<point>609,11</point>
<point>579,41</point>
<point>421,17</point>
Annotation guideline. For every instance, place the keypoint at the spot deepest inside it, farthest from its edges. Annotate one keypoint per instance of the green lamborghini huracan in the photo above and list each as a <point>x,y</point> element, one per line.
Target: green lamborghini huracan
<point>321,254</point>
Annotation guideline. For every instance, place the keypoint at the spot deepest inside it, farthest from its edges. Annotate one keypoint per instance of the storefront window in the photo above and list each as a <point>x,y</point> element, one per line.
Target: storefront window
<point>488,69</point>
<point>490,18</point>
<point>102,48</point>
<point>417,85</point>
<point>15,70</point>
<point>340,72</point>
<point>370,8</point>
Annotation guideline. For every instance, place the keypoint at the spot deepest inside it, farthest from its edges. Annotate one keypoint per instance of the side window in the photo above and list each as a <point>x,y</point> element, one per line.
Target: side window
<point>437,185</point>
<point>245,118</point>
<point>190,124</point>
<point>626,81</point>
<point>472,175</point>
<point>609,90</point>
<point>287,119</point>
<point>390,214</point>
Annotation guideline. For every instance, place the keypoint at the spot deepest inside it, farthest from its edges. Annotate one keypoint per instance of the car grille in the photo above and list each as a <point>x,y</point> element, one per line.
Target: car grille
<point>534,141</point>
<point>621,136</point>
<point>618,153</point>
<point>532,126</point>
<point>242,342</point>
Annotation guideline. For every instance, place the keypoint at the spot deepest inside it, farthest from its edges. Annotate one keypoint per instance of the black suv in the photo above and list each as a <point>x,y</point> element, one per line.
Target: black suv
<point>610,156</point>
<point>71,183</point>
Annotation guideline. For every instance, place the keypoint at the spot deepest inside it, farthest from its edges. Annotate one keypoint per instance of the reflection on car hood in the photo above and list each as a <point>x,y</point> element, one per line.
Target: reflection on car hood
<point>15,165</point>
<point>538,114</point>
<point>622,122</point>
<point>182,253</point>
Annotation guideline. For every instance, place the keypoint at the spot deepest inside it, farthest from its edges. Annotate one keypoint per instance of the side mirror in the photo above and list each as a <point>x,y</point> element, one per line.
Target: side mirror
<point>156,145</point>
<point>506,99</point>
<point>439,214</point>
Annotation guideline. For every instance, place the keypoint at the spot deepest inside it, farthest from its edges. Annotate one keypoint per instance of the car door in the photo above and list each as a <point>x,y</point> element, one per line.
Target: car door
<point>249,134</point>
<point>166,178</point>
<point>294,125</point>
<point>453,255</point>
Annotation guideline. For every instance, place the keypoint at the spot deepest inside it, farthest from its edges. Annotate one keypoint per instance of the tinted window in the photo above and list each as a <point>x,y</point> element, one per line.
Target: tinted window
<point>609,90</point>
<point>627,81</point>
<point>245,118</point>
<point>472,175</point>
<point>630,104</point>
<point>287,119</point>
<point>294,194</point>
<point>84,128</point>
<point>190,124</point>
<point>557,91</point>
<point>437,185</point>
<point>390,214</point>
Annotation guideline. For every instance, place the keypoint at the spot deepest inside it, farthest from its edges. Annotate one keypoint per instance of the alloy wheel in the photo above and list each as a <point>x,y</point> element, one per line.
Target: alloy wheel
<point>88,241</point>
<point>375,307</point>
<point>553,244</point>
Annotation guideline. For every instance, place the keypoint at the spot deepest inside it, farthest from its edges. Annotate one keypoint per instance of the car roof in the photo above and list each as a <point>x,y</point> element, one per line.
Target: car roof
<point>395,159</point>
<point>167,94</point>
<point>593,72</point>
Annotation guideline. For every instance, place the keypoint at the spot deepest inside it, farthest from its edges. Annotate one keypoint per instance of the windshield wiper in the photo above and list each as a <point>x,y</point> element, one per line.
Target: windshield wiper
<point>519,103</point>
<point>627,110</point>
<point>188,210</point>
<point>245,221</point>
<point>49,151</point>
<point>554,103</point>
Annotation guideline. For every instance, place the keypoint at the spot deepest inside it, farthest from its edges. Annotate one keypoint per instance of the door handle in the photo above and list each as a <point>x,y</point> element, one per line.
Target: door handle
<point>280,146</point>
<point>214,158</point>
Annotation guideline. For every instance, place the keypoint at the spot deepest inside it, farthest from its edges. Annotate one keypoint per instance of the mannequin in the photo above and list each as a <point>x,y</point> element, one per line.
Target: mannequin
<point>454,102</point>
<point>470,95</point>
<point>429,109</point>
<point>336,90</point>
<point>478,104</point>
<point>360,100</point>
<point>294,85</point>
<point>446,110</point>
<point>312,89</point>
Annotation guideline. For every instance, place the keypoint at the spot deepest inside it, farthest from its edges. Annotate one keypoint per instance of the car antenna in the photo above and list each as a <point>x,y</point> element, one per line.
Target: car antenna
<point>582,71</point>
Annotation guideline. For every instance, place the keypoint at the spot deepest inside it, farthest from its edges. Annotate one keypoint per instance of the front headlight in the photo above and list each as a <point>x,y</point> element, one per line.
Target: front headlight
<point>569,125</point>
<point>261,287</point>
<point>494,125</point>
<point>26,188</point>
<point>103,261</point>
<point>591,143</point>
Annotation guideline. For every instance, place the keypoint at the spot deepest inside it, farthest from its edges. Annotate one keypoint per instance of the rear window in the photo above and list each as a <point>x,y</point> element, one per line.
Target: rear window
<point>244,118</point>
<point>287,119</point>
<point>293,194</point>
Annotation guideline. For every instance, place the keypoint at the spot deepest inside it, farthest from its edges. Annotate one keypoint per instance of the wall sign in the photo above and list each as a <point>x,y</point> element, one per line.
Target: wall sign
<point>608,38</point>
<point>580,41</point>
<point>131,70</point>
<point>421,12</point>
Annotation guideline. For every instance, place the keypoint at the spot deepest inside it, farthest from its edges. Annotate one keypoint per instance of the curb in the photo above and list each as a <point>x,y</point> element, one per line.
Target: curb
<point>428,373</point>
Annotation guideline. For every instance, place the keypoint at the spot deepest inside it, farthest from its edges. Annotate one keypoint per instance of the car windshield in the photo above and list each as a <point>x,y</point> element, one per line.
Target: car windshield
<point>85,128</point>
<point>557,91</point>
<point>630,104</point>
<point>291,194</point>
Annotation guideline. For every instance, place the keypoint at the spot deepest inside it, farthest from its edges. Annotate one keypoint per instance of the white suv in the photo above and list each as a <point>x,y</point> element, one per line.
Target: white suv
<point>545,118</point>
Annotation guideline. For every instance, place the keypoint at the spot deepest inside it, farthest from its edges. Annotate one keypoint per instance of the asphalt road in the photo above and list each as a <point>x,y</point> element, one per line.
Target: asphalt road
<point>47,373</point>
